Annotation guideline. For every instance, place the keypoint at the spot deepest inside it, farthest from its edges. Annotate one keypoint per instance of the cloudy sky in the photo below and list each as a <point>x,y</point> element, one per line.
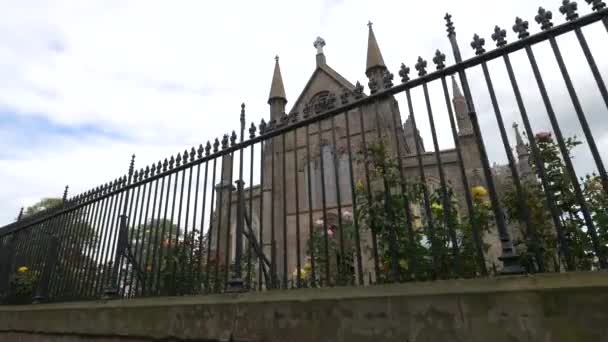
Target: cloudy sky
<point>85,84</point>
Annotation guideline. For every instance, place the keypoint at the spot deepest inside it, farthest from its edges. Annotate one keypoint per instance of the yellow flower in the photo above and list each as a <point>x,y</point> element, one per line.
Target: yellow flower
<point>436,206</point>
<point>23,269</point>
<point>479,192</point>
<point>487,204</point>
<point>360,187</point>
<point>403,263</point>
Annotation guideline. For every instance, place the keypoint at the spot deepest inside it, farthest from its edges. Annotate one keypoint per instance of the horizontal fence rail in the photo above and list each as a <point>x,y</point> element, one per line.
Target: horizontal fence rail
<point>340,193</point>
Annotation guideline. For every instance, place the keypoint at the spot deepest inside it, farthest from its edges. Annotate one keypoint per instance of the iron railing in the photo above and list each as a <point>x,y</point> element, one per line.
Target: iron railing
<point>333,195</point>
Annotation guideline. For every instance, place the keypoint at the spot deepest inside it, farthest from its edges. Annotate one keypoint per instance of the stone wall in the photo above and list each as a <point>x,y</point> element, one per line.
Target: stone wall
<point>547,308</point>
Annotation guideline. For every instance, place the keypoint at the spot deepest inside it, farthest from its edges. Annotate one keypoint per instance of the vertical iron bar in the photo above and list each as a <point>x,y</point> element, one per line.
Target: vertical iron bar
<point>522,199</point>
<point>237,282</point>
<point>93,239</point>
<point>144,241</point>
<point>179,220</point>
<point>444,187</point>
<point>219,226</point>
<point>229,218</point>
<point>579,109</point>
<point>156,268</point>
<point>284,205</point>
<point>354,200</point>
<point>202,226</point>
<point>136,229</point>
<point>187,241</point>
<point>540,167</point>
<point>249,255</point>
<point>210,230</point>
<point>324,204</point>
<point>273,254</point>
<point>297,205</point>
<point>369,193</point>
<point>425,192</point>
<point>310,209</point>
<point>465,184</point>
<point>569,167</point>
<point>395,273</point>
<point>263,150</point>
<point>111,238</point>
<point>195,263</point>
<point>336,160</point>
<point>509,257</point>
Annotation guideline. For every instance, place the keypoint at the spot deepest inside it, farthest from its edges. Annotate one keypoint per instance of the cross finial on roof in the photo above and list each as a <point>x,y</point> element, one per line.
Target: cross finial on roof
<point>276,58</point>
<point>369,24</point>
<point>319,43</point>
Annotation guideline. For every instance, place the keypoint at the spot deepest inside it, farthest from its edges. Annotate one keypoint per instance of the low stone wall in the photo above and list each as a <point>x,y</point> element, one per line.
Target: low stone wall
<point>547,308</point>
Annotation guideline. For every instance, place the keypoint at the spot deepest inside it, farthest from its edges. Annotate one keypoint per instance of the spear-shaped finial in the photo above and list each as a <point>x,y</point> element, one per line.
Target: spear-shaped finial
<point>20,216</point>
<point>65,194</point>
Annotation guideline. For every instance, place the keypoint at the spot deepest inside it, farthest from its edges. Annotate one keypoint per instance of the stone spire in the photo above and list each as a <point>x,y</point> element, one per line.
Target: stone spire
<point>523,156</point>
<point>456,88</point>
<point>410,136</point>
<point>277,91</point>
<point>277,99</point>
<point>465,127</point>
<point>374,56</point>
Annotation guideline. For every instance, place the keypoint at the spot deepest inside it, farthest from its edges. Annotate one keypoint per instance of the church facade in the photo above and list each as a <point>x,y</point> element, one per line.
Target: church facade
<point>308,172</point>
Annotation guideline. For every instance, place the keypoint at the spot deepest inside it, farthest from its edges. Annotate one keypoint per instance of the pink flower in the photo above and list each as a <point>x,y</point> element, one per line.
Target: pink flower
<point>543,136</point>
<point>331,231</point>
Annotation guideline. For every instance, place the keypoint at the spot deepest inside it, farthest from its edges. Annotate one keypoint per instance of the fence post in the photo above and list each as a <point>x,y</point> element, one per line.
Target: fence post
<point>112,291</point>
<point>42,292</point>
<point>236,282</point>
<point>509,257</point>
<point>6,262</point>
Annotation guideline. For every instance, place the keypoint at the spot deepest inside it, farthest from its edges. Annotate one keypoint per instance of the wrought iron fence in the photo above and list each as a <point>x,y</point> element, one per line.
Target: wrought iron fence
<point>335,195</point>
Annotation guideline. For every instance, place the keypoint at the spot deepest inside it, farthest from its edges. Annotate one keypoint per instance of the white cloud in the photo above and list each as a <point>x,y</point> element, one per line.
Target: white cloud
<point>166,75</point>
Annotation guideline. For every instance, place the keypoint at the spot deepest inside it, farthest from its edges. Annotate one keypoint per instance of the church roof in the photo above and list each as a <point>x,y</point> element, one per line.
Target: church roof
<point>374,56</point>
<point>323,68</point>
<point>277,90</point>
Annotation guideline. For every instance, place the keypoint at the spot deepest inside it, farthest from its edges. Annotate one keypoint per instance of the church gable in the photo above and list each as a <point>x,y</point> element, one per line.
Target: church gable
<point>321,91</point>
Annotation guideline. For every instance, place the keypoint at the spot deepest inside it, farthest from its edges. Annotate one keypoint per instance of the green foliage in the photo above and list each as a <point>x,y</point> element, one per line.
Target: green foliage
<point>578,241</point>
<point>43,204</point>
<point>381,210</point>
<point>22,285</point>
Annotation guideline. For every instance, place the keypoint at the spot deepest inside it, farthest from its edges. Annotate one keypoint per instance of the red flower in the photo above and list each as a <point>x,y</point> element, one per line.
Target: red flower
<point>543,136</point>
<point>331,231</point>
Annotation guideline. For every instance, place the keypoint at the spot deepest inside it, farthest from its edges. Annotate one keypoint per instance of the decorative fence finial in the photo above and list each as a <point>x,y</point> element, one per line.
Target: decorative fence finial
<point>132,166</point>
<point>192,154</point>
<point>404,72</point>
<point>165,165</point>
<point>208,148</point>
<point>225,142</point>
<point>65,194</point>
<point>233,138</point>
<point>544,18</point>
<point>478,44</point>
<point>20,216</point>
<point>421,66</point>
<point>569,8</point>
<point>216,145</point>
<point>200,151</point>
<point>439,60</point>
<point>178,160</point>
<point>252,130</point>
<point>521,28</point>
<point>387,79</point>
<point>450,25</point>
<point>499,36</point>
<point>243,114</point>
<point>597,4</point>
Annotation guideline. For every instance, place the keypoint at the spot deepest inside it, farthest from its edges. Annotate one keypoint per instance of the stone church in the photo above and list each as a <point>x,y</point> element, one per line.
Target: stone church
<point>306,173</point>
